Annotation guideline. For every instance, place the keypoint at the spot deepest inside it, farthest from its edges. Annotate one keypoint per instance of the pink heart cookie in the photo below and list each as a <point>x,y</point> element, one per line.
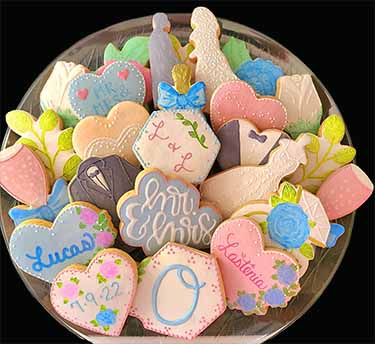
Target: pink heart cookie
<point>344,191</point>
<point>237,99</point>
<point>98,297</point>
<point>23,175</point>
<point>254,278</point>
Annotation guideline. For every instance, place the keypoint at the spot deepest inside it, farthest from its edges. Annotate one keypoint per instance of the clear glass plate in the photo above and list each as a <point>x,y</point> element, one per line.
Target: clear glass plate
<point>232,327</point>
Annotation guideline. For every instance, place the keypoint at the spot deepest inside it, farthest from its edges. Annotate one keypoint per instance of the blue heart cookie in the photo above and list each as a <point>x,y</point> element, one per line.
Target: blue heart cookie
<point>43,248</point>
<point>92,94</point>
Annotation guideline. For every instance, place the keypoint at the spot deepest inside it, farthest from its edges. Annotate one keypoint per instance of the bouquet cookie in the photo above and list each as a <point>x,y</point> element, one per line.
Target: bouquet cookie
<point>222,172</point>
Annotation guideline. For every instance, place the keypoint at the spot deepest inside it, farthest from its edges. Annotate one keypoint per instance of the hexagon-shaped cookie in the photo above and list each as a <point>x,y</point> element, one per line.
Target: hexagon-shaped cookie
<point>180,292</point>
<point>178,142</point>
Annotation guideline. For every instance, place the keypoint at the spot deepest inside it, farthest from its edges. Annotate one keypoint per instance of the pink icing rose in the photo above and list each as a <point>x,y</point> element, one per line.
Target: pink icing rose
<point>109,270</point>
<point>69,291</point>
<point>104,239</point>
<point>88,216</point>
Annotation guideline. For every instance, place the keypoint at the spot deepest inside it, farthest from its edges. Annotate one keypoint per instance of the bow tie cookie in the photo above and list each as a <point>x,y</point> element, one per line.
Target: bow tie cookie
<point>184,137</point>
<point>212,66</point>
<point>162,209</point>
<point>102,181</point>
<point>98,136</point>
<point>54,94</point>
<point>231,189</point>
<point>24,176</point>
<point>42,248</point>
<point>180,292</point>
<point>56,201</point>
<point>48,140</point>
<point>92,95</point>
<point>97,297</point>
<point>243,144</point>
<point>302,101</point>
<point>182,95</point>
<point>254,278</point>
<point>324,154</point>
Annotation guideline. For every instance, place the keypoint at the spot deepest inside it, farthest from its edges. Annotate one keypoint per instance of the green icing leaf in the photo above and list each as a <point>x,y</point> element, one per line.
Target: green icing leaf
<point>275,200</point>
<point>307,251</point>
<point>186,122</point>
<point>106,328</point>
<point>179,116</point>
<point>274,277</point>
<point>314,144</point>
<point>70,167</point>
<point>118,261</point>
<point>81,292</point>
<point>28,142</point>
<point>69,119</point>
<point>289,193</point>
<point>101,217</point>
<point>333,129</point>
<point>64,141</point>
<point>344,155</point>
<point>74,280</point>
<point>263,227</point>
<point>103,308</point>
<point>312,224</point>
<point>236,52</point>
<point>66,301</point>
<point>19,121</point>
<point>59,284</point>
<point>78,210</point>
<point>193,134</point>
<point>48,120</point>
<point>82,225</point>
<point>303,126</point>
<point>195,125</point>
<point>94,323</point>
<point>135,49</point>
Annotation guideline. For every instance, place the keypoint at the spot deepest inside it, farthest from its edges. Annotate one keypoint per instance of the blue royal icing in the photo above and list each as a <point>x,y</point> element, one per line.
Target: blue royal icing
<point>261,75</point>
<point>336,231</point>
<point>196,287</point>
<point>57,200</point>
<point>91,94</point>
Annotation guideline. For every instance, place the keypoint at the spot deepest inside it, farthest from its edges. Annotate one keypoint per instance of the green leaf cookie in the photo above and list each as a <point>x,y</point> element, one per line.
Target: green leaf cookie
<point>19,121</point>
<point>307,251</point>
<point>236,52</point>
<point>333,129</point>
<point>64,142</point>
<point>48,120</point>
<point>70,167</point>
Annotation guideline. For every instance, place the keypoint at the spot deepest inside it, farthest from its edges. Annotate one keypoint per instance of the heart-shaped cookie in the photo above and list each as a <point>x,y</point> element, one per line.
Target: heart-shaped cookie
<point>98,297</point>
<point>23,175</point>
<point>115,134</point>
<point>237,99</point>
<point>43,248</point>
<point>254,278</point>
<point>92,94</point>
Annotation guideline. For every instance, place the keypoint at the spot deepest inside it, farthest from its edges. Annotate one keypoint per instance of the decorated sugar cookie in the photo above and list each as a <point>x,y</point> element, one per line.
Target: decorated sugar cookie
<point>98,136</point>
<point>178,142</point>
<point>180,292</point>
<point>237,99</point>
<point>324,154</point>
<point>163,209</point>
<point>54,94</point>
<point>233,188</point>
<point>243,144</point>
<point>162,54</point>
<point>23,175</point>
<point>92,94</point>
<point>182,95</point>
<point>97,297</point>
<point>254,278</point>
<point>102,181</point>
<point>42,248</point>
<point>56,201</point>
<point>146,72</point>
<point>258,212</point>
<point>344,191</point>
<point>236,52</point>
<point>212,66</point>
<point>48,140</point>
<point>304,108</point>
<point>134,49</point>
<point>261,75</point>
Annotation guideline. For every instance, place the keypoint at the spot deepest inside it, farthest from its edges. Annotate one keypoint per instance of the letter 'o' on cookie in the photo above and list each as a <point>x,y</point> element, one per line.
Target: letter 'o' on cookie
<point>344,191</point>
<point>180,291</point>
<point>254,278</point>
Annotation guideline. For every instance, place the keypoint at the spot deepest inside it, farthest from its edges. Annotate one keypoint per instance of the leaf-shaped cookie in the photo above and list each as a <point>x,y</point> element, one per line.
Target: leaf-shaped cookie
<point>324,154</point>
<point>236,52</point>
<point>47,139</point>
<point>54,94</point>
<point>304,108</point>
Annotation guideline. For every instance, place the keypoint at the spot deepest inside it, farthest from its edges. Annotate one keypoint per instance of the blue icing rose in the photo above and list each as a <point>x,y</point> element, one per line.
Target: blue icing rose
<point>288,225</point>
<point>286,274</point>
<point>106,317</point>
<point>246,302</point>
<point>261,75</point>
<point>274,297</point>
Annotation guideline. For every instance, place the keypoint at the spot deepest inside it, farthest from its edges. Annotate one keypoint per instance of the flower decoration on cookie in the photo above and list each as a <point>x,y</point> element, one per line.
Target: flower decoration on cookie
<point>46,137</point>
<point>182,95</point>
<point>236,52</point>
<point>324,154</point>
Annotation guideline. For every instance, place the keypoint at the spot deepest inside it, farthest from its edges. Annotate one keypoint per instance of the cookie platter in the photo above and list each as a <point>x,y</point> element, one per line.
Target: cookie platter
<point>231,326</point>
